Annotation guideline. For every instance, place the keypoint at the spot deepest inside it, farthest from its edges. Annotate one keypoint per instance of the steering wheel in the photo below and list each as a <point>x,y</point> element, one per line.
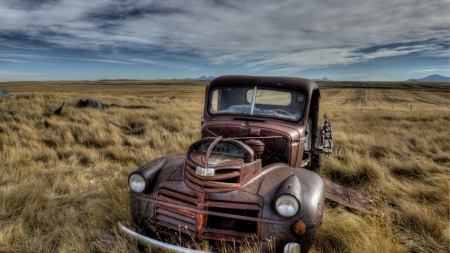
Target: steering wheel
<point>281,111</point>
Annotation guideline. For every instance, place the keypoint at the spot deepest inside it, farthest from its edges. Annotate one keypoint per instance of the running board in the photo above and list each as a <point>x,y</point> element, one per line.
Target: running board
<point>348,197</point>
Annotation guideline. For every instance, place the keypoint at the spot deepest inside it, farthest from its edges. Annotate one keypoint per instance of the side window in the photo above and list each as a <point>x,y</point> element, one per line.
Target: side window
<point>215,101</point>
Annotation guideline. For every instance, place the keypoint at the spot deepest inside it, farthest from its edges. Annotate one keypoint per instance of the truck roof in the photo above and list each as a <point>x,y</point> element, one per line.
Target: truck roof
<point>305,85</point>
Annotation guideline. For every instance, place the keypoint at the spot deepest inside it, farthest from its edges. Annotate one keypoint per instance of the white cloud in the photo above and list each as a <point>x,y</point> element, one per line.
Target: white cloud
<point>425,70</point>
<point>285,35</point>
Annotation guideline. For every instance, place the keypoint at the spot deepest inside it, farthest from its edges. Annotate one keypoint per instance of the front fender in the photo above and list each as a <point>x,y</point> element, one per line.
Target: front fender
<point>311,213</point>
<point>172,170</point>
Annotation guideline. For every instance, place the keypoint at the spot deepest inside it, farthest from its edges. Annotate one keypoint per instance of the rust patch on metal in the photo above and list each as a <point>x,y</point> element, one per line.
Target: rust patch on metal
<point>349,197</point>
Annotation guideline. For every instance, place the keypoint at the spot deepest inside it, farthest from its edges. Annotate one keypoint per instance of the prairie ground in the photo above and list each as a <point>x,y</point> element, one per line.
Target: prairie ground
<point>63,179</point>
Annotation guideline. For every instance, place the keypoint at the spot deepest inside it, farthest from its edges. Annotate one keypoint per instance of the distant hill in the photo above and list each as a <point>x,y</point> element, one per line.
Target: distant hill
<point>323,79</point>
<point>432,78</point>
<point>206,78</point>
<point>202,78</point>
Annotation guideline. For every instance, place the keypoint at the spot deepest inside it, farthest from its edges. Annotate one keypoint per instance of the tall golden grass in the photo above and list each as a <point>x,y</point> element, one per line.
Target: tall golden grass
<point>63,179</point>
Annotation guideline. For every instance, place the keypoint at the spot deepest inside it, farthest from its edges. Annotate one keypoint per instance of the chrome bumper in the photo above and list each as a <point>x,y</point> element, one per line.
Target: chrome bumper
<point>158,245</point>
<point>152,243</point>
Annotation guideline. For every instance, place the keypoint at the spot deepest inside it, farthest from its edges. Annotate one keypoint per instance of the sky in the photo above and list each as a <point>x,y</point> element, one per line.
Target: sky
<point>353,40</point>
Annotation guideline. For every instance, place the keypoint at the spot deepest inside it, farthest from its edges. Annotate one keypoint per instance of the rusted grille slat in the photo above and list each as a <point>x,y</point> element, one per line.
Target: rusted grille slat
<point>175,201</point>
<point>178,195</point>
<point>211,190</point>
<point>163,212</point>
<point>233,205</point>
<point>179,211</point>
<point>186,229</point>
<point>174,221</point>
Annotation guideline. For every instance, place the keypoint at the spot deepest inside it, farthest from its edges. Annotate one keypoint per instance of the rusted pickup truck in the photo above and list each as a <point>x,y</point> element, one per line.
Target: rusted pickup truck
<point>251,175</point>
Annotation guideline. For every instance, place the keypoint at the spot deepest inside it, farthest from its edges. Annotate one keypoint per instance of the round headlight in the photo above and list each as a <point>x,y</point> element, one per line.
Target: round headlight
<point>287,206</point>
<point>136,182</point>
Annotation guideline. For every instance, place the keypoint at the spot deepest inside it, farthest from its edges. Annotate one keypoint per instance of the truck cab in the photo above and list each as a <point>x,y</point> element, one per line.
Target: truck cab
<point>280,115</point>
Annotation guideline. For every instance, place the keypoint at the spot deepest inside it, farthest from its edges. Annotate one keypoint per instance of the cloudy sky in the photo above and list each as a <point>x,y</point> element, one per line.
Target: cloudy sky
<point>388,40</point>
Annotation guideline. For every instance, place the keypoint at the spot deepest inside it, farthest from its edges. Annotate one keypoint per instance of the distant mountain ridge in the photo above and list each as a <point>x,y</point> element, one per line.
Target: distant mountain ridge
<point>205,78</point>
<point>202,78</point>
<point>432,78</point>
<point>212,77</point>
<point>323,79</point>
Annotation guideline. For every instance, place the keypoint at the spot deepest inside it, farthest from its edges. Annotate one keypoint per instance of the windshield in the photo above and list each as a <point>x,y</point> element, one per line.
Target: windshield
<point>257,101</point>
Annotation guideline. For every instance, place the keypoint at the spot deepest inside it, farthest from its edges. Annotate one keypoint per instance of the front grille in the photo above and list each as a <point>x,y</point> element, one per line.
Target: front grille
<point>234,229</point>
<point>179,220</point>
<point>216,220</point>
<point>227,178</point>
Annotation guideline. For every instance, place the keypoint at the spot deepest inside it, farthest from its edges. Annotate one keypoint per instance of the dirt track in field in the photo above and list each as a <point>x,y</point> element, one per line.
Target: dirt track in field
<point>386,98</point>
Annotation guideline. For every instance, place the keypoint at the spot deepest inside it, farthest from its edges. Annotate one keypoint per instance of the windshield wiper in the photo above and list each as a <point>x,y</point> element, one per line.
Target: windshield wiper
<point>253,101</point>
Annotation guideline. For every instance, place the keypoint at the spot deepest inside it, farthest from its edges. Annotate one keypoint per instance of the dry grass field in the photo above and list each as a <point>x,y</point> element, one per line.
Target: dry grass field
<point>63,179</point>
